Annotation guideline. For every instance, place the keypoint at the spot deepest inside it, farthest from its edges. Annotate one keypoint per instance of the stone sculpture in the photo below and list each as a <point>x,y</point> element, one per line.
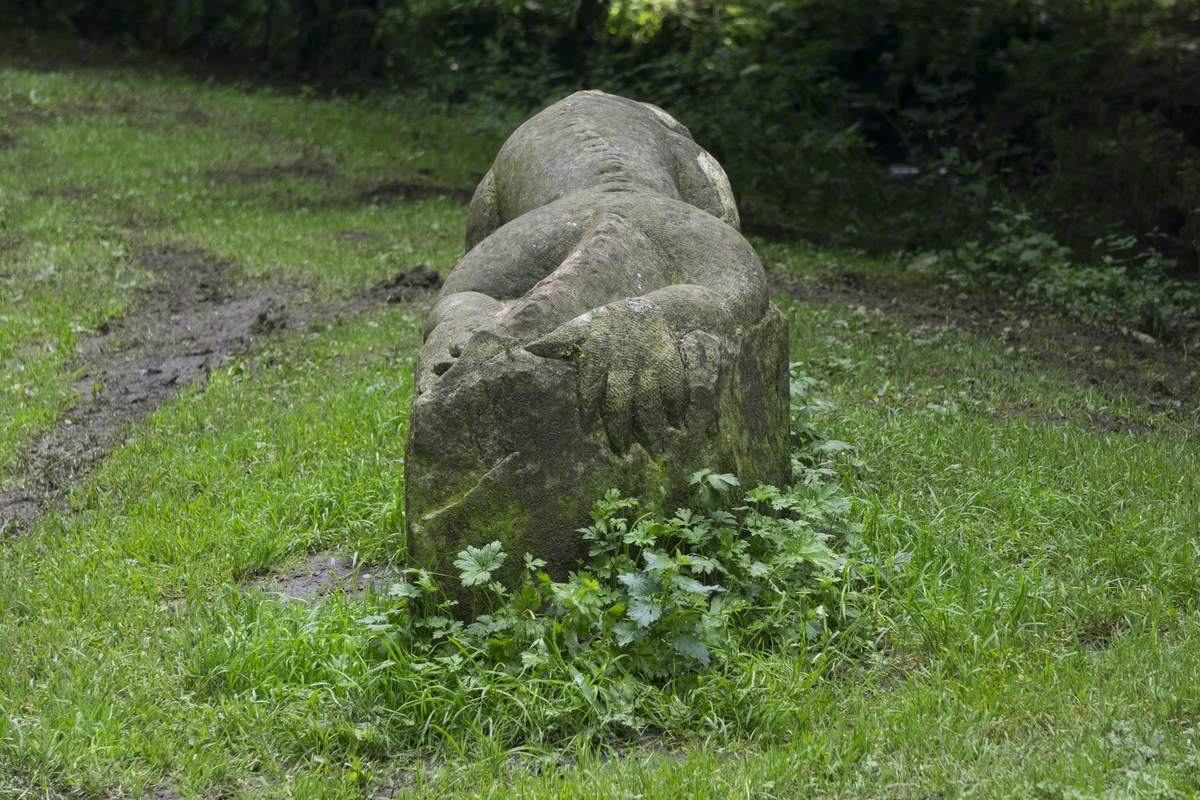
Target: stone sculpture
<point>608,328</point>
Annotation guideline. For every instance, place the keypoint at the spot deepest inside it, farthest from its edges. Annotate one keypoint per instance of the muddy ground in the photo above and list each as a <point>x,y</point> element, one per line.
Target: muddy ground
<point>196,317</point>
<point>199,314</point>
<point>325,573</point>
<point>340,190</point>
<point>192,320</point>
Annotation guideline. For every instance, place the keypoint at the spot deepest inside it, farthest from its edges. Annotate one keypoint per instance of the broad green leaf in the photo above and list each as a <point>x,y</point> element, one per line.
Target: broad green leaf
<point>722,482</point>
<point>693,586</point>
<point>658,561</point>
<point>691,647</point>
<point>644,612</point>
<point>624,633</point>
<point>476,564</point>
<point>638,584</point>
<point>403,589</point>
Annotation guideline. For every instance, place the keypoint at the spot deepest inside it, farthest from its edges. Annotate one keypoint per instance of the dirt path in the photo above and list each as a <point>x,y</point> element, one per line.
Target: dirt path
<point>190,321</point>
<point>339,190</point>
<point>196,317</point>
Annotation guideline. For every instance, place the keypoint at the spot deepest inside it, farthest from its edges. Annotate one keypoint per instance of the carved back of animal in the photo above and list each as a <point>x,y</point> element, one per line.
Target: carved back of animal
<point>594,140</point>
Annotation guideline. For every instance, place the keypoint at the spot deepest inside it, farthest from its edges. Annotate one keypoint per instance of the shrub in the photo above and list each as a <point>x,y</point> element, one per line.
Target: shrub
<point>1123,285</point>
<point>1086,111</point>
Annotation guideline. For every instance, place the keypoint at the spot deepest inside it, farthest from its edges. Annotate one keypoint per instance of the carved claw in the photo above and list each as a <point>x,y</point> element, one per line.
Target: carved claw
<point>631,373</point>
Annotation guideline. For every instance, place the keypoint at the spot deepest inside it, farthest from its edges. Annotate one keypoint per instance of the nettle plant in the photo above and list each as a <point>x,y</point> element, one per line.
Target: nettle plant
<point>660,594</point>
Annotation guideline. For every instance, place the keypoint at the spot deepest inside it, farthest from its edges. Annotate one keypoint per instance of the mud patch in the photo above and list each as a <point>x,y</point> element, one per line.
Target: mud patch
<point>9,243</point>
<point>354,194</point>
<point>72,194</point>
<point>194,319</point>
<point>394,191</point>
<point>324,574</point>
<point>340,191</point>
<point>1028,410</point>
<point>1099,633</point>
<point>406,286</point>
<point>193,115</point>
<point>318,170</point>
<point>142,221</point>
<point>357,235</point>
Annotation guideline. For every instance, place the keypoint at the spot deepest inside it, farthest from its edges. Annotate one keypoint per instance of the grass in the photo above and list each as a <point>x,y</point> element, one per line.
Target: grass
<point>1036,637</point>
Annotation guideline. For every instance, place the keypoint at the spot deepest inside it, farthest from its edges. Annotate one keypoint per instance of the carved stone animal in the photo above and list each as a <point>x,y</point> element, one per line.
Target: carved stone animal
<point>608,328</point>
<point>592,140</point>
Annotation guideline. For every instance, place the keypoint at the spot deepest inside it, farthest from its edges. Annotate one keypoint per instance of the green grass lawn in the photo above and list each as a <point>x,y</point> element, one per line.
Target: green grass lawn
<point>1037,635</point>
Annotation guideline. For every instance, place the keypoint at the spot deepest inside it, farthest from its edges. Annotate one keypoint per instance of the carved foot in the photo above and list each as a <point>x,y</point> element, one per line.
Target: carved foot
<point>631,373</point>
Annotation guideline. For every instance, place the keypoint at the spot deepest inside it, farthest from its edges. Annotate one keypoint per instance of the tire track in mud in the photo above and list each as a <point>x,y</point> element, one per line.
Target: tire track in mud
<point>196,317</point>
<point>190,321</point>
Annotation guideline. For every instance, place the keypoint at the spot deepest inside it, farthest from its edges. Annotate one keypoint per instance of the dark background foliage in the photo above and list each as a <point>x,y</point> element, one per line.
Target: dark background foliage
<point>880,124</point>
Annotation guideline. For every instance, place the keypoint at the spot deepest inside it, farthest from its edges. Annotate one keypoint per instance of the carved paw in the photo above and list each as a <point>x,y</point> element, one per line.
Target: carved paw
<point>631,373</point>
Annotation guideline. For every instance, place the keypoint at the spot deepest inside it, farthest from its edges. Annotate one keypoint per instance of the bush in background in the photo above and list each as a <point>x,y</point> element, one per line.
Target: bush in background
<point>881,124</point>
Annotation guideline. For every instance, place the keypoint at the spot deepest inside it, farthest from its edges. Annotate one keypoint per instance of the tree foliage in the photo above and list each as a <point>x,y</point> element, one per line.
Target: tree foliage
<point>878,123</point>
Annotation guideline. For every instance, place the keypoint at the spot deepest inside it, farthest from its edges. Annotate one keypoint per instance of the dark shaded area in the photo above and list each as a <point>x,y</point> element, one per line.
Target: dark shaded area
<point>341,190</point>
<point>880,124</point>
<point>394,191</point>
<point>407,285</point>
<point>1162,379</point>
<point>254,174</point>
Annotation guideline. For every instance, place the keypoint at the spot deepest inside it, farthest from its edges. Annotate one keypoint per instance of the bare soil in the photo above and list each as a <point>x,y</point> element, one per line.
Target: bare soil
<point>357,235</point>
<point>196,317</point>
<point>406,286</point>
<point>321,575</point>
<point>343,191</point>
<point>255,173</point>
<point>192,320</point>
<point>406,191</point>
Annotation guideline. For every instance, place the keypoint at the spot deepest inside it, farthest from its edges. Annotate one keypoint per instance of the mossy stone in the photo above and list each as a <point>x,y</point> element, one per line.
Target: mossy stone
<point>610,329</point>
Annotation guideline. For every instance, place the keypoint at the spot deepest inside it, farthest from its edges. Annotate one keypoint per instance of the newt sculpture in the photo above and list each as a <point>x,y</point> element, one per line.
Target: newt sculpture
<point>609,327</point>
